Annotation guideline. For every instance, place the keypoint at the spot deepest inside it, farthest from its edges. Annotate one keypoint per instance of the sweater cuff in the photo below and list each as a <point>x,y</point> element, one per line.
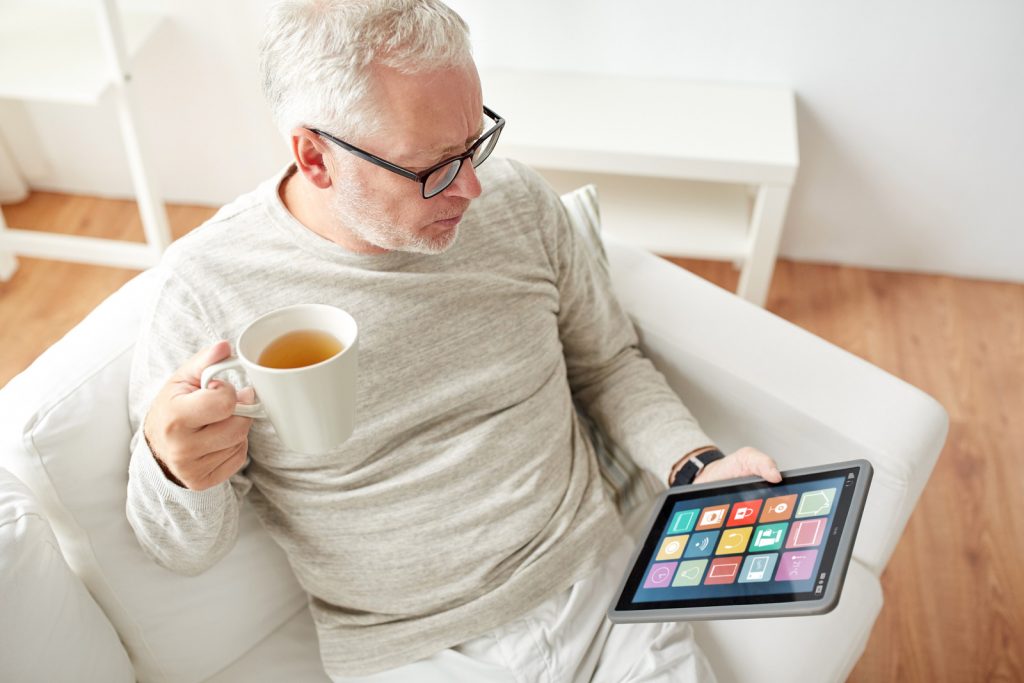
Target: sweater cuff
<point>145,470</point>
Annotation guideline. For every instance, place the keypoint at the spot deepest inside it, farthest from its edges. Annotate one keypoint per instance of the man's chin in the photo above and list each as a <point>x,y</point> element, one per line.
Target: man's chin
<point>431,244</point>
<point>438,244</point>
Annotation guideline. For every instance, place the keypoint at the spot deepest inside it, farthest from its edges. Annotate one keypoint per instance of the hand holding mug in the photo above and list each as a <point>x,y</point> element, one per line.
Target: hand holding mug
<point>193,431</point>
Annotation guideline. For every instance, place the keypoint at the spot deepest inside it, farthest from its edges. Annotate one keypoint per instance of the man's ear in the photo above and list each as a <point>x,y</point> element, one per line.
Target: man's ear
<point>310,154</point>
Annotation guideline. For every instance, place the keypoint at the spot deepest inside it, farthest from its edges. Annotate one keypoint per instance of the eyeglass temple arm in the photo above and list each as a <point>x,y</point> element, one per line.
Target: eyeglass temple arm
<point>372,158</point>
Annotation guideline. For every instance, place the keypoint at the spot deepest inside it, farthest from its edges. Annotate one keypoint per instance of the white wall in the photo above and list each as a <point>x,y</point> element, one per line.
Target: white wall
<point>910,112</point>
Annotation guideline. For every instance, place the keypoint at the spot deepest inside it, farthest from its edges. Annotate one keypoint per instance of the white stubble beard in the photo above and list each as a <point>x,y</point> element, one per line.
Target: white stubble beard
<point>357,216</point>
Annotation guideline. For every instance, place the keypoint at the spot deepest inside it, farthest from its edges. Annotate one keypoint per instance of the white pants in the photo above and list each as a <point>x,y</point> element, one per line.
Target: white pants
<point>567,639</point>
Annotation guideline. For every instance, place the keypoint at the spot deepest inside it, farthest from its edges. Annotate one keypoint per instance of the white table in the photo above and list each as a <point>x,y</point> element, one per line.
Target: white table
<point>73,55</point>
<point>684,169</point>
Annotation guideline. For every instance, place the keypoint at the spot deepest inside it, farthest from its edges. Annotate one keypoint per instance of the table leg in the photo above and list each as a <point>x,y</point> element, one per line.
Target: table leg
<point>765,232</point>
<point>8,263</point>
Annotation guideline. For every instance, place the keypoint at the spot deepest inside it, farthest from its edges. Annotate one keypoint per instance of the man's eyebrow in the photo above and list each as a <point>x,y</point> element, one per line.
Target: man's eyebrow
<point>452,149</point>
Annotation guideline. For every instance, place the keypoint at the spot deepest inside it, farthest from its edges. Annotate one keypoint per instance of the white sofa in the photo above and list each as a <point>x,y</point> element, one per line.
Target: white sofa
<point>750,377</point>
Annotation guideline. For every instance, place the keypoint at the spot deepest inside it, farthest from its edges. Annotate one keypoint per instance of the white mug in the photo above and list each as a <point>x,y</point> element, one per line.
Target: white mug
<point>313,407</point>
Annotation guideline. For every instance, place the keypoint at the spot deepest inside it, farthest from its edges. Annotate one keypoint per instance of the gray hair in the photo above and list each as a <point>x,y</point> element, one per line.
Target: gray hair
<point>316,55</point>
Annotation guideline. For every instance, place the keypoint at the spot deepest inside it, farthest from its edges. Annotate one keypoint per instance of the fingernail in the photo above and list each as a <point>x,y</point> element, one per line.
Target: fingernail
<point>246,395</point>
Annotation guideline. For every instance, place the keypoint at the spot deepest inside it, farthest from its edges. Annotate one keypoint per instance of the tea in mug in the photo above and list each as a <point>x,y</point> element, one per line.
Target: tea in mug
<point>300,348</point>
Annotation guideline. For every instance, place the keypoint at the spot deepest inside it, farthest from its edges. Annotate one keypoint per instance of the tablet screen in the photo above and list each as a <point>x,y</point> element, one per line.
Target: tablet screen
<point>747,544</point>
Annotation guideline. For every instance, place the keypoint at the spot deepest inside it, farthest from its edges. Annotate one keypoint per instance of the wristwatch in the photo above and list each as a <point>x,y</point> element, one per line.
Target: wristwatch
<point>694,465</point>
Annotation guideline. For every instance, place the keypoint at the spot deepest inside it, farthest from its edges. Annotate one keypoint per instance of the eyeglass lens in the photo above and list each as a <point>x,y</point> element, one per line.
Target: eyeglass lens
<point>443,177</point>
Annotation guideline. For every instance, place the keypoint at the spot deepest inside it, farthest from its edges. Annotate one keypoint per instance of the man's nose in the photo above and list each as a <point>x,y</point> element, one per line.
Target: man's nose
<point>466,183</point>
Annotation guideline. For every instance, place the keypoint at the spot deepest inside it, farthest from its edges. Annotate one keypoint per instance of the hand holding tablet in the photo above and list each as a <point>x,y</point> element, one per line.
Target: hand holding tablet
<point>747,548</point>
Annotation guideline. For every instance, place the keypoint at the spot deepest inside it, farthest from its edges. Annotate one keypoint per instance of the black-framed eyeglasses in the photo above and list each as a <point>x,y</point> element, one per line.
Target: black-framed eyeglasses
<point>438,177</point>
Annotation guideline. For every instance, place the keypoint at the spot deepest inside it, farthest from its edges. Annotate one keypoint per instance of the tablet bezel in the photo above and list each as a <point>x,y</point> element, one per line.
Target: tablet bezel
<point>843,534</point>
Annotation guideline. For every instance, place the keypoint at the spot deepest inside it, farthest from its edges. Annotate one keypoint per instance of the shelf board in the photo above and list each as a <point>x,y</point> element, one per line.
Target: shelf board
<point>723,132</point>
<point>669,217</point>
<point>54,54</point>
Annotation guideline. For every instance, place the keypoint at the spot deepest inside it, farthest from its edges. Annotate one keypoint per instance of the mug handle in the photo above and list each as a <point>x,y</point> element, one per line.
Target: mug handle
<point>242,409</point>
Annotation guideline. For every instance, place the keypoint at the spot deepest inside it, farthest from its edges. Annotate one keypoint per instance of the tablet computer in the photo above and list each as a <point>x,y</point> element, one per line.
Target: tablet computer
<point>746,548</point>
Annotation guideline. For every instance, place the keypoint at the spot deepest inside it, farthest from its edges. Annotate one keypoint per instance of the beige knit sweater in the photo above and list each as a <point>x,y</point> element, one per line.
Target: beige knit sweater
<point>468,493</point>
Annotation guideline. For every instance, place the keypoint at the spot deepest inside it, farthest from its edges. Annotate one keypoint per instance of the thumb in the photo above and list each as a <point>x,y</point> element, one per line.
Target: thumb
<point>193,368</point>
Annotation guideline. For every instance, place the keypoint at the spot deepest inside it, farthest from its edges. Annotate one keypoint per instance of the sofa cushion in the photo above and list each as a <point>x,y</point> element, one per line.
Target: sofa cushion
<point>585,216</point>
<point>291,654</point>
<point>51,628</point>
<point>64,431</point>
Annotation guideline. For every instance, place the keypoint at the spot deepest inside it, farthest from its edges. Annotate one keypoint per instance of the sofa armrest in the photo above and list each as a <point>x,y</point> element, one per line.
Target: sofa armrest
<point>752,378</point>
<point>51,628</point>
<point>65,431</point>
<point>817,647</point>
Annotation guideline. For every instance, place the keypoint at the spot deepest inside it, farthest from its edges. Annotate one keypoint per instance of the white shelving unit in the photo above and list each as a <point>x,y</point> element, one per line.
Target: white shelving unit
<point>73,55</point>
<point>684,169</point>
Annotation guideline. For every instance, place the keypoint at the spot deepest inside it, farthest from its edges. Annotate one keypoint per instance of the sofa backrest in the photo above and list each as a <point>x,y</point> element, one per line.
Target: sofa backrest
<point>64,431</point>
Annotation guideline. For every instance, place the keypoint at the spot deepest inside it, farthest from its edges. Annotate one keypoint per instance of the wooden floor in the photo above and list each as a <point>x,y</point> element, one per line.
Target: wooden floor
<point>954,589</point>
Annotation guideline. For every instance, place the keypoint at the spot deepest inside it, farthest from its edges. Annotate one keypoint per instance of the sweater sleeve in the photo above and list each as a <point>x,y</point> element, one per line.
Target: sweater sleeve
<point>609,376</point>
<point>183,530</point>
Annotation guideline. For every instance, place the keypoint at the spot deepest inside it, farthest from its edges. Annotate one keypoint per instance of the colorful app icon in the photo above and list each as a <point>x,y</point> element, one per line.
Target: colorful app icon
<point>814,503</point>
<point>672,548</point>
<point>660,574</point>
<point>734,541</point>
<point>768,537</point>
<point>689,573</point>
<point>778,509</point>
<point>712,517</point>
<point>744,513</point>
<point>758,568</point>
<point>701,544</point>
<point>806,532</point>
<point>797,565</point>
<point>723,570</point>
<point>682,521</point>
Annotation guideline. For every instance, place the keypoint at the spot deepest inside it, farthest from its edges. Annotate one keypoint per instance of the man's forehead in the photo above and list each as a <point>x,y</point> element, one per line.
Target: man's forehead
<point>443,150</point>
<point>429,114</point>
